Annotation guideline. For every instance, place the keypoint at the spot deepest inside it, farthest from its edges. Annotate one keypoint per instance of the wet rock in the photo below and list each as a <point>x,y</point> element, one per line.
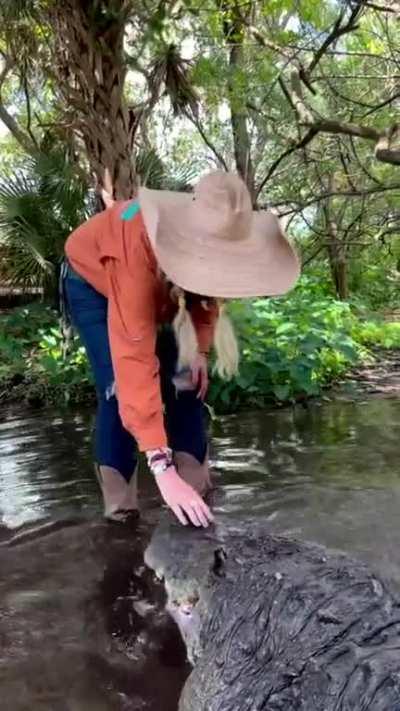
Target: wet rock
<point>277,625</point>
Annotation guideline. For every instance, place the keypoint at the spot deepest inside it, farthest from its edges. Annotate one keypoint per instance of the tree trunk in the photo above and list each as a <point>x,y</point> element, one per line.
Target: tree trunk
<point>341,281</point>
<point>90,71</point>
<point>337,262</point>
<point>234,34</point>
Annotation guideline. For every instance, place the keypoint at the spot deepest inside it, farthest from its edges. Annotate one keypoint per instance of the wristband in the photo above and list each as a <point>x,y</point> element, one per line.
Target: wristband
<point>159,460</point>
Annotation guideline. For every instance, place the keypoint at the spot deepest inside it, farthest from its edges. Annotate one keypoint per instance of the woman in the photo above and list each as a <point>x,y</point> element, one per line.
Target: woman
<point>132,270</point>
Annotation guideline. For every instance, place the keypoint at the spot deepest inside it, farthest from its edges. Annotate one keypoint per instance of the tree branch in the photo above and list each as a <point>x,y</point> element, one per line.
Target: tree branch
<point>382,105</point>
<point>338,193</point>
<point>305,262</point>
<point>300,144</point>
<point>6,68</point>
<point>206,139</point>
<point>383,150</point>
<point>28,111</point>
<point>286,93</point>
<point>395,7</point>
<point>385,154</point>
<point>349,129</point>
<point>19,135</point>
<point>263,41</point>
<point>24,139</point>
<point>338,30</point>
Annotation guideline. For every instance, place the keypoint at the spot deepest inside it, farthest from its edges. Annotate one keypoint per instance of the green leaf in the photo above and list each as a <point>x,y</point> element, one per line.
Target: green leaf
<point>281,392</point>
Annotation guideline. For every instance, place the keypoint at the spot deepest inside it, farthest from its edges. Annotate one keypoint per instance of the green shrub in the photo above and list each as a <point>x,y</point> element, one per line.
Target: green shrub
<point>59,375</point>
<point>33,362</point>
<point>376,283</point>
<point>377,333</point>
<point>18,337</point>
<point>291,347</point>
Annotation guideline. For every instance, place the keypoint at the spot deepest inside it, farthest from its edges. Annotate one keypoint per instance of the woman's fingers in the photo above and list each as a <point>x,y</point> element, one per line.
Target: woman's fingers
<point>183,500</point>
<point>196,511</point>
<point>179,515</point>
<point>199,373</point>
<point>202,511</point>
<point>203,383</point>
<point>207,511</point>
<point>201,517</point>
<point>195,375</point>
<point>191,512</point>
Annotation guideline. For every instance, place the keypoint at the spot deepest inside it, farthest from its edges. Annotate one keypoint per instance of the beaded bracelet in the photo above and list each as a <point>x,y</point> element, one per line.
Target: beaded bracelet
<point>159,460</point>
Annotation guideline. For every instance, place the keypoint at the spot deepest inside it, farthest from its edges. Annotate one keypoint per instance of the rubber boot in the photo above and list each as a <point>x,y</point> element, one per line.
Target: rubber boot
<point>130,502</point>
<point>194,473</point>
<point>119,497</point>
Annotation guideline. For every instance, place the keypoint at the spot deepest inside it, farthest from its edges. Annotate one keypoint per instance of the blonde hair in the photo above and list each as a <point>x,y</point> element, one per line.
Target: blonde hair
<point>225,343</point>
<point>226,346</point>
<point>185,333</point>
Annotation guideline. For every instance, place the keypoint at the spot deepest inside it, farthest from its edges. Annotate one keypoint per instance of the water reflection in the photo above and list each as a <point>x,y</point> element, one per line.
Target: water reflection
<point>329,474</point>
<point>45,467</point>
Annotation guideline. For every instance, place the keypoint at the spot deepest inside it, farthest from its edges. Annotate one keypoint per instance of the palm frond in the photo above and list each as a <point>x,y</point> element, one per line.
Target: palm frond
<point>150,169</point>
<point>171,71</point>
<point>182,179</point>
<point>39,207</point>
<point>155,174</point>
<point>12,10</point>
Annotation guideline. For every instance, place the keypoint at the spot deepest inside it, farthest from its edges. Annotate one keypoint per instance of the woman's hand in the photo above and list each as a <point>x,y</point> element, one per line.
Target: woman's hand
<point>184,501</point>
<point>199,370</point>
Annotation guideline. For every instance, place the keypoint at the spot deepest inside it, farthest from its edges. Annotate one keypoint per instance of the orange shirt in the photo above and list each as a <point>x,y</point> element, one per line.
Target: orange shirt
<point>113,253</point>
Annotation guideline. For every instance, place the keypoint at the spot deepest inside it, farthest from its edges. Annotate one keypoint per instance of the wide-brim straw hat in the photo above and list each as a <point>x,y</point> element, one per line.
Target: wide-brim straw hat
<point>211,242</point>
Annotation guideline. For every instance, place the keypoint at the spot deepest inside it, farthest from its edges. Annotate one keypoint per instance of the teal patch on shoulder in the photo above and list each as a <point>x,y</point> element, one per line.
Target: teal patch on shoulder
<point>130,211</point>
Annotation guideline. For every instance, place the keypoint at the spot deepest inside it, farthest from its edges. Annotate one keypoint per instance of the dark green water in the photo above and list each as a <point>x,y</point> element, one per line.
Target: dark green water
<point>82,624</point>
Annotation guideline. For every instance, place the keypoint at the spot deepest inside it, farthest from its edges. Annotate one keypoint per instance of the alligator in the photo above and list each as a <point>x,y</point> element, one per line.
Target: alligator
<point>275,624</point>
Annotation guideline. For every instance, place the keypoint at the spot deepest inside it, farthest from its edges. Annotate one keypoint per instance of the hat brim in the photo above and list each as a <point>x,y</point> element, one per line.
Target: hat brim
<point>263,264</point>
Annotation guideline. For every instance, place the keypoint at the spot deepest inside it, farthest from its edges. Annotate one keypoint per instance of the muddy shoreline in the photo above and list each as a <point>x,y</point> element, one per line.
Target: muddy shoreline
<point>378,376</point>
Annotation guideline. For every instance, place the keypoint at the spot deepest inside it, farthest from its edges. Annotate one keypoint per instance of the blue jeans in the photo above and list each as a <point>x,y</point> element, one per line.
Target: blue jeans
<point>184,412</point>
